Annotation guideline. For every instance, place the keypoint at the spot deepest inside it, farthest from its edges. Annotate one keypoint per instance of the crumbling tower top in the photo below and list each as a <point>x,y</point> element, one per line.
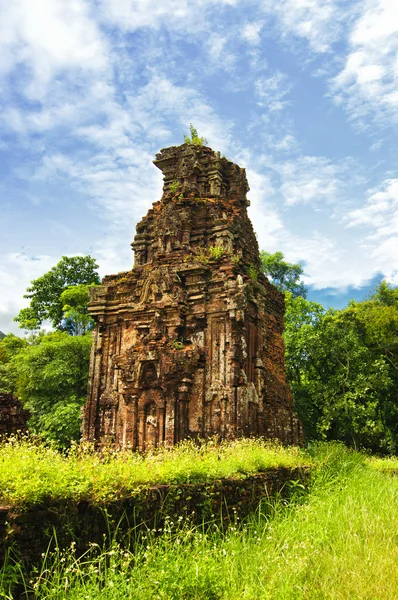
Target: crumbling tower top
<point>200,171</point>
<point>203,205</point>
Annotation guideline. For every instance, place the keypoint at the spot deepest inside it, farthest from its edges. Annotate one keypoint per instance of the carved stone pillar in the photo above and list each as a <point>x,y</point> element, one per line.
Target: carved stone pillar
<point>161,416</point>
<point>141,429</point>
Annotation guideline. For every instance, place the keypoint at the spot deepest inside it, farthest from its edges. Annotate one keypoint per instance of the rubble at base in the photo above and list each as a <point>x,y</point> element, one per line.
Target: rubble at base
<point>13,416</point>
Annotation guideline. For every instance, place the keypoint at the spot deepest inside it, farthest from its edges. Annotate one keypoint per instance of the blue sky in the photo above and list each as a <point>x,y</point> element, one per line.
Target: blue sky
<point>303,93</point>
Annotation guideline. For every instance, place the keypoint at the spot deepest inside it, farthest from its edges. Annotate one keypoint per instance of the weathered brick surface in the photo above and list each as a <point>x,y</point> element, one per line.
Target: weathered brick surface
<point>13,416</point>
<point>33,531</point>
<point>189,342</point>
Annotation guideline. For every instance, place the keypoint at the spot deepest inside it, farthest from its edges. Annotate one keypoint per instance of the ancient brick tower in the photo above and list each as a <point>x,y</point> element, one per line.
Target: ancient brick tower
<point>188,343</point>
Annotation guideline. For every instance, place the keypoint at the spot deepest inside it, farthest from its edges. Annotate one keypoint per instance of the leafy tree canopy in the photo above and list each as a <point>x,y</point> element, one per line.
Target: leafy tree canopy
<point>343,369</point>
<point>75,299</point>
<point>285,276</point>
<point>386,294</point>
<point>195,138</point>
<point>45,292</point>
<point>10,346</point>
<point>51,381</point>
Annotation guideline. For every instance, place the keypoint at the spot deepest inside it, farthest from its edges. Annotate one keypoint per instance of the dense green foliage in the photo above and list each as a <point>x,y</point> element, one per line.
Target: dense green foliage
<point>49,374</point>
<point>342,365</point>
<point>74,300</point>
<point>52,379</point>
<point>32,472</point>
<point>10,346</point>
<point>336,542</point>
<point>343,368</point>
<point>285,276</point>
<point>45,292</point>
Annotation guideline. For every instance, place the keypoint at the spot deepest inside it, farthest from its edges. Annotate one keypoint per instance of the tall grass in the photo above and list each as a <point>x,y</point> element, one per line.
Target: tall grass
<point>31,472</point>
<point>338,541</point>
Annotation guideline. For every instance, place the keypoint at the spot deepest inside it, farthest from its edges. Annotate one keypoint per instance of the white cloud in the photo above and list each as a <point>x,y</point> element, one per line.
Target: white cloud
<point>320,253</point>
<point>320,22</point>
<point>380,213</point>
<point>369,80</point>
<point>313,180</point>
<point>251,32</point>
<point>16,271</point>
<point>120,178</point>
<point>134,14</point>
<point>379,217</point>
<point>272,90</point>
<point>107,101</point>
<point>47,37</point>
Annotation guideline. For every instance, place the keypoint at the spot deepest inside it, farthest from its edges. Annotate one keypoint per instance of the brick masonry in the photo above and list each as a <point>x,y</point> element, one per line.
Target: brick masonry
<point>13,417</point>
<point>189,342</point>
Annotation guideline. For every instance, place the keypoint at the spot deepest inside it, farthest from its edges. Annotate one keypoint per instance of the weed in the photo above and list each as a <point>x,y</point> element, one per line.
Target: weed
<point>194,139</point>
<point>216,252</point>
<point>252,272</point>
<point>174,186</point>
<point>177,344</point>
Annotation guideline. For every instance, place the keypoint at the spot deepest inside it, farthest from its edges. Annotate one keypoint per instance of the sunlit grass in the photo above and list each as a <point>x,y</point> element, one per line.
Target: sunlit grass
<point>386,465</point>
<point>339,541</point>
<point>31,472</point>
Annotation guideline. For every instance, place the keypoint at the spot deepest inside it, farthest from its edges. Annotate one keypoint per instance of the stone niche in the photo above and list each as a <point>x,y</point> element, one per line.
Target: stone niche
<point>13,416</point>
<point>189,342</point>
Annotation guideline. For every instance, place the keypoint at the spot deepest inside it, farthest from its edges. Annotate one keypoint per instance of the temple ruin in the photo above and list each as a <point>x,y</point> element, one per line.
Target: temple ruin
<point>189,342</point>
<point>13,416</point>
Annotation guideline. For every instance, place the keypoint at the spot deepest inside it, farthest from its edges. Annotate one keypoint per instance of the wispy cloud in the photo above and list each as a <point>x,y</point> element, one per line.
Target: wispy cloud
<point>368,82</point>
<point>319,22</point>
<point>380,212</point>
<point>91,90</point>
<point>16,271</point>
<point>46,37</point>
<point>313,180</point>
<point>379,218</point>
<point>271,91</point>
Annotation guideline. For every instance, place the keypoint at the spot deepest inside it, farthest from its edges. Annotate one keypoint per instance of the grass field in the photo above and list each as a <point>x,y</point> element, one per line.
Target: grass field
<point>31,472</point>
<point>338,540</point>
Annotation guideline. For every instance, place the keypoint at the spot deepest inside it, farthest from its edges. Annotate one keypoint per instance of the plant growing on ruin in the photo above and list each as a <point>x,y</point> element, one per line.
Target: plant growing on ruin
<point>195,138</point>
<point>252,272</point>
<point>212,253</point>
<point>216,252</point>
<point>177,344</point>
<point>174,186</point>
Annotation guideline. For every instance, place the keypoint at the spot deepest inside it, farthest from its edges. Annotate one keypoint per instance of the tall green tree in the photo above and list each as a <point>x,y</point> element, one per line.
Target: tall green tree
<point>303,320</point>
<point>343,369</point>
<point>76,319</point>
<point>10,346</point>
<point>52,379</point>
<point>285,276</point>
<point>45,292</point>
